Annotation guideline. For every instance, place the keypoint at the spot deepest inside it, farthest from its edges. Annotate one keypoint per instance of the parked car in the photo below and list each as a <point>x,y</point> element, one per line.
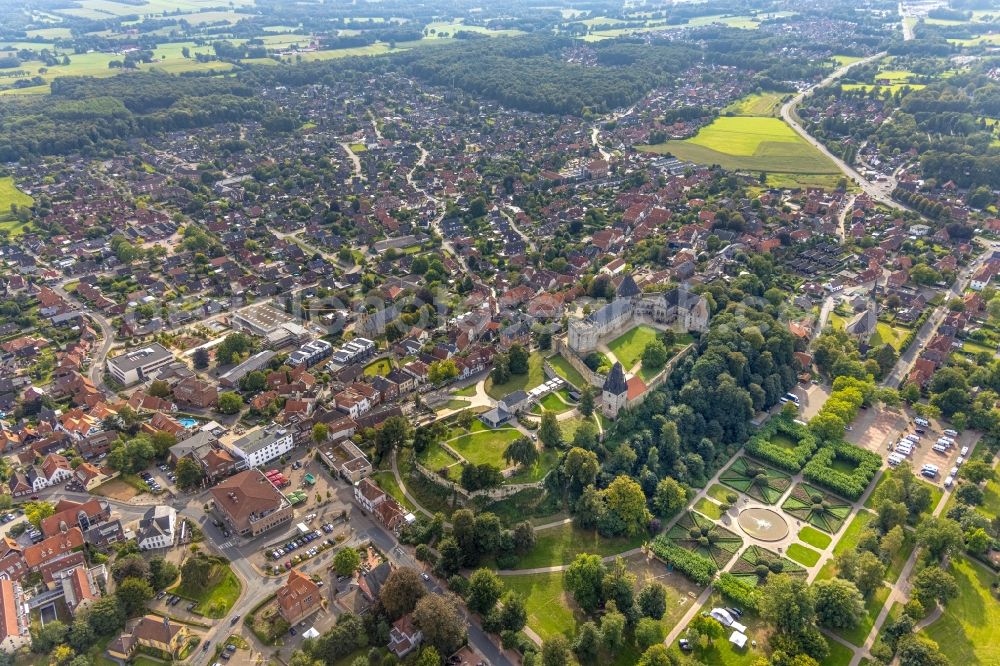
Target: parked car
<point>685,645</point>
<point>425,576</point>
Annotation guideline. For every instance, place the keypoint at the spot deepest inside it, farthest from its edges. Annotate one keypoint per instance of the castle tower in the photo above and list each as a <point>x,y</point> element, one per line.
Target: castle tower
<point>614,393</point>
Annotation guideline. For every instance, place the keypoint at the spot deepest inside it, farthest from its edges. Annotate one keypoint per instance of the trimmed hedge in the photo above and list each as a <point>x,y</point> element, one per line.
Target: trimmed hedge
<point>820,469</point>
<point>737,590</point>
<point>696,567</point>
<point>790,460</point>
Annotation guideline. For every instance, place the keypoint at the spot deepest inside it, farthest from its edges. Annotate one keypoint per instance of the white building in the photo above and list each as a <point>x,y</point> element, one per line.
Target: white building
<point>261,446</point>
<point>137,365</point>
<point>156,529</point>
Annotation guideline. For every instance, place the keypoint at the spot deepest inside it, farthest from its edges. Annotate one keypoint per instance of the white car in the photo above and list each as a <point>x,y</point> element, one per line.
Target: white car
<point>951,433</point>
<point>959,460</point>
<point>965,451</point>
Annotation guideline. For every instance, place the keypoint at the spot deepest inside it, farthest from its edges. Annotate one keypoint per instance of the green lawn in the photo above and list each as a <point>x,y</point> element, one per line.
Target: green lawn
<point>387,482</point>
<point>751,143</point>
<point>569,426</point>
<point>485,447</point>
<point>991,500</point>
<point>899,557</point>
<point>534,377</point>
<point>848,541</point>
<point>802,555</point>
<point>840,655</point>
<point>567,371</point>
<point>435,457</point>
<point>551,610</point>
<point>558,545</point>
<point>708,508</point>
<point>553,402</point>
<point>814,537</point>
<point>852,534</point>
<point>218,597</point>
<point>467,392</point>
<point>967,631</point>
<point>873,606</point>
<point>724,653</point>
<point>629,346</point>
<point>719,493</point>
<point>547,461</point>
<point>457,404</point>
<point>382,366</point>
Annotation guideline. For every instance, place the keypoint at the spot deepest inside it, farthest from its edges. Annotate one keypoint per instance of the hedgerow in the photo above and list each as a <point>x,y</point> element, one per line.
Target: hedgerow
<point>697,568</point>
<point>851,485</point>
<point>791,460</point>
<point>738,590</point>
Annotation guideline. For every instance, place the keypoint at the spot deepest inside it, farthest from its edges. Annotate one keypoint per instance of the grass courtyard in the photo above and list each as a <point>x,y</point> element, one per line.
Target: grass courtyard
<point>966,632</point>
<point>752,143</point>
<point>629,346</point>
<point>381,367</point>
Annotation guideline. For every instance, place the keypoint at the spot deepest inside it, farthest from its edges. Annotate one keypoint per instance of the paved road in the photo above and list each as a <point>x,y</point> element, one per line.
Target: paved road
<point>878,191</point>
<point>107,333</point>
<point>930,327</point>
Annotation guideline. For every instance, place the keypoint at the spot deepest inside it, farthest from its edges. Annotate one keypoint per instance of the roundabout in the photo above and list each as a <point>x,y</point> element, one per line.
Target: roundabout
<point>763,524</point>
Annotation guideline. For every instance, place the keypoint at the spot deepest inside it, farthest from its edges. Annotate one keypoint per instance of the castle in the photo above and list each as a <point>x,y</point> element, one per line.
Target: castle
<point>678,307</point>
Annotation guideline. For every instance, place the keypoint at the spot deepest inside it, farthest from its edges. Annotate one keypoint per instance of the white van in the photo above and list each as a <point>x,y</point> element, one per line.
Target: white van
<point>929,471</point>
<point>904,448</point>
<point>895,459</point>
<point>949,482</point>
<point>940,448</point>
<point>951,433</point>
<point>913,438</point>
<point>921,422</point>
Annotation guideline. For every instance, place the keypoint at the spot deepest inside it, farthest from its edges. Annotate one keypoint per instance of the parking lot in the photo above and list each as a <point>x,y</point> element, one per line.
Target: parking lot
<point>876,429</point>
<point>811,398</point>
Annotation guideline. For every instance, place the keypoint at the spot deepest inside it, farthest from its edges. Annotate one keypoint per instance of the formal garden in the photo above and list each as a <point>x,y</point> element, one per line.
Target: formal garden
<point>705,538</point>
<point>756,564</point>
<point>817,507</point>
<point>763,483</point>
<point>784,443</point>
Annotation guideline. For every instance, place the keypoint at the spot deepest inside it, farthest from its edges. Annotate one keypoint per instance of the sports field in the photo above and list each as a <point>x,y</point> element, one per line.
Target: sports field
<point>750,143</point>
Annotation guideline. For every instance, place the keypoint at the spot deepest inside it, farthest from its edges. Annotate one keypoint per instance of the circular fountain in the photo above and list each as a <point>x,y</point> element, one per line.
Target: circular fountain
<point>763,524</point>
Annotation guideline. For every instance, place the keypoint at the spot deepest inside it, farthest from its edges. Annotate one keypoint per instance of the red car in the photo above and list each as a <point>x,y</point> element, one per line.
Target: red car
<point>288,564</point>
<point>34,497</point>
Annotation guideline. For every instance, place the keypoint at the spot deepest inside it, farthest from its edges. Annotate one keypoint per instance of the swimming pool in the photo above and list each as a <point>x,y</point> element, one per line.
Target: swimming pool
<point>187,423</point>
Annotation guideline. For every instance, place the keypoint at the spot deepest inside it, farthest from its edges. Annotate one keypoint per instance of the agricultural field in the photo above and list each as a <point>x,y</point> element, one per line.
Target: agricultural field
<point>10,195</point>
<point>759,104</point>
<point>749,143</point>
<point>446,29</point>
